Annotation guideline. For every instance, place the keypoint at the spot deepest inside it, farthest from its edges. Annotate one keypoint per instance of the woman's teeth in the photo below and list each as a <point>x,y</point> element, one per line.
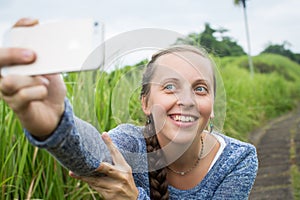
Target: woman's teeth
<point>183,118</point>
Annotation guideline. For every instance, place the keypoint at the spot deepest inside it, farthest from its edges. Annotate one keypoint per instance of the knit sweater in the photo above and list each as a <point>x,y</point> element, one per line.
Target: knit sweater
<point>78,146</point>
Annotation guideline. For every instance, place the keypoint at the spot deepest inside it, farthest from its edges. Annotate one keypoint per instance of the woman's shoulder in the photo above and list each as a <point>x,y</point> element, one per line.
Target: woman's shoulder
<point>234,144</point>
<point>237,151</point>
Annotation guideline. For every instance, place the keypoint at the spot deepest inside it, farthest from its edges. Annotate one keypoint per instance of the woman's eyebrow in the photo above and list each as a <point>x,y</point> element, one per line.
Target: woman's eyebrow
<point>167,79</point>
<point>201,81</point>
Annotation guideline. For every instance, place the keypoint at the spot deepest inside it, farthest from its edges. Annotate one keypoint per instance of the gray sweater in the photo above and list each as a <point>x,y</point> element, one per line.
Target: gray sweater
<point>78,146</point>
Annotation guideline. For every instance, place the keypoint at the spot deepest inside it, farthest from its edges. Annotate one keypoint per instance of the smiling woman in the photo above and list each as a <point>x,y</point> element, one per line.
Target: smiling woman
<point>172,157</point>
<point>179,88</point>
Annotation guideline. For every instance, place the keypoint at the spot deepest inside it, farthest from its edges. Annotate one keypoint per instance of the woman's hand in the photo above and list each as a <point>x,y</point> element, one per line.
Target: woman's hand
<point>118,182</point>
<point>38,101</point>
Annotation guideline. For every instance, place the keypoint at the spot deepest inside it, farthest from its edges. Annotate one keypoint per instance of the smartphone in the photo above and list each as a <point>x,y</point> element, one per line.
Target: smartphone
<point>60,46</point>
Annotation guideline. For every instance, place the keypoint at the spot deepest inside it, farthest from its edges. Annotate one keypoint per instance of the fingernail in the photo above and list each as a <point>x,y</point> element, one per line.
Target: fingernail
<point>105,136</point>
<point>27,55</point>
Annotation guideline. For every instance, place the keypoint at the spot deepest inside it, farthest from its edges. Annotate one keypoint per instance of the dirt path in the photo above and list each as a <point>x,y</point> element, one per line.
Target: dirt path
<point>273,144</point>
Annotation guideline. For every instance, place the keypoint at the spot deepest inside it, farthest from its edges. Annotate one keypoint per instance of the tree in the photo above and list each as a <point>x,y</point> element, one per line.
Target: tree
<point>224,46</point>
<point>221,31</point>
<point>282,49</point>
<point>243,2</point>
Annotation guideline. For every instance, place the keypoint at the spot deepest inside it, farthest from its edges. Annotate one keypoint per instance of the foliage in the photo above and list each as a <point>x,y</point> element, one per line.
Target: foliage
<point>281,49</point>
<point>270,63</point>
<point>106,99</point>
<point>295,176</point>
<point>222,46</point>
<point>239,2</point>
<point>253,101</point>
<point>27,172</point>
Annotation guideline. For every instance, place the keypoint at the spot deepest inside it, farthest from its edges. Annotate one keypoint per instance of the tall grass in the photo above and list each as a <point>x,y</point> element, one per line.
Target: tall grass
<point>251,102</point>
<point>106,100</point>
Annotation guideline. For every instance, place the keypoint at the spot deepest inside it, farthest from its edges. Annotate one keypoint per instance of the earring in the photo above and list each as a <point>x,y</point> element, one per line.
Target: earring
<point>211,126</point>
<point>148,121</point>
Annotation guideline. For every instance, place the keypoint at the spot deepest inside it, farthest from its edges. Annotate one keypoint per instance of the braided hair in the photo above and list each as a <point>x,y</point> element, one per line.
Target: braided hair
<point>156,160</point>
<point>156,163</point>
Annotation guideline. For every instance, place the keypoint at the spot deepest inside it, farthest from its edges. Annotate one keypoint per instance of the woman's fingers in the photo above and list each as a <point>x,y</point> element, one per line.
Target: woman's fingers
<point>117,157</point>
<point>19,91</point>
<point>21,99</point>
<point>111,170</point>
<point>14,83</point>
<point>10,56</point>
<point>58,87</point>
<point>105,168</point>
<point>102,182</point>
<point>118,182</point>
<point>26,22</point>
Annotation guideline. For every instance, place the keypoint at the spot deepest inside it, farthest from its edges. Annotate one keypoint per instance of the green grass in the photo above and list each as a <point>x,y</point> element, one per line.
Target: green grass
<point>294,170</point>
<point>251,102</point>
<point>106,100</point>
<point>295,174</point>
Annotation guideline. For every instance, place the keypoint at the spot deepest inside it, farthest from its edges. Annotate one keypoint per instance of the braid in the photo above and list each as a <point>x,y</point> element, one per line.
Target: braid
<point>156,163</point>
<point>156,160</point>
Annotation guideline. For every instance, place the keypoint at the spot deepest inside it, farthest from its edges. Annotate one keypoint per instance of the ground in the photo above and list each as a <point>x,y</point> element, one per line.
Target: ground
<point>278,148</point>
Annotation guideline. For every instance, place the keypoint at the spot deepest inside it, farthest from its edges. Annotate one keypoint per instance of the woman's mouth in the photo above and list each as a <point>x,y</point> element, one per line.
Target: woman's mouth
<point>183,118</point>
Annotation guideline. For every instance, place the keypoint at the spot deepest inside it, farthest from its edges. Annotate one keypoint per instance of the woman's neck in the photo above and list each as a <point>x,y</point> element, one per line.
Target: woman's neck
<point>187,168</point>
<point>181,156</point>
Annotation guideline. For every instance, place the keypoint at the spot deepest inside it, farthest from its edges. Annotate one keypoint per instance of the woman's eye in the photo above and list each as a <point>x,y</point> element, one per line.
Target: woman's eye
<point>169,87</point>
<point>201,90</point>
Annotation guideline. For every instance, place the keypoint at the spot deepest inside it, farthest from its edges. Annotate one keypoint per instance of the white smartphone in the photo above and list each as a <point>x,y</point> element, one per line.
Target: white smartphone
<point>60,46</point>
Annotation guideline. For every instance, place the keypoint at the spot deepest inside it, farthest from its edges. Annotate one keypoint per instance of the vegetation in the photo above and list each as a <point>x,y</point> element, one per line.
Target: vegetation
<point>107,99</point>
<point>281,49</point>
<point>218,45</point>
<point>27,172</point>
<point>294,170</point>
<point>272,91</point>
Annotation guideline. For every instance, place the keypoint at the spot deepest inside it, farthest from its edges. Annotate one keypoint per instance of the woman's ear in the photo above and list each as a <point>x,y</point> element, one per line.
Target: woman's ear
<point>145,106</point>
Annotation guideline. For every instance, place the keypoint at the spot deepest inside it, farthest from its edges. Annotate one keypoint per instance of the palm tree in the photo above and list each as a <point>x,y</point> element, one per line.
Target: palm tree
<point>243,2</point>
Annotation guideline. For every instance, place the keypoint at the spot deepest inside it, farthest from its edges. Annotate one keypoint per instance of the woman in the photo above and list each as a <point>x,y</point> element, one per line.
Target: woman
<point>171,157</point>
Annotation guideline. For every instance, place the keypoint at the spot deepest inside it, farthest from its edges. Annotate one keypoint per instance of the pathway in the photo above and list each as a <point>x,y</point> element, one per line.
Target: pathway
<point>273,144</point>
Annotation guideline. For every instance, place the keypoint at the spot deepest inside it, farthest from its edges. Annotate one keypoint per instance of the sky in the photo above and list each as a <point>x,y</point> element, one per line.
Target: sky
<point>270,21</point>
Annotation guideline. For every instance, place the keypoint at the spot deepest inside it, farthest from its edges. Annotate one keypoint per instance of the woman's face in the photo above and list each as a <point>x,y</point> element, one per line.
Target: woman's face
<point>181,96</point>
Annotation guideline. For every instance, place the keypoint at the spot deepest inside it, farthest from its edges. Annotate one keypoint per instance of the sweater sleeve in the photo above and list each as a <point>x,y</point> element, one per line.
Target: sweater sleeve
<point>142,194</point>
<point>76,144</point>
<point>238,184</point>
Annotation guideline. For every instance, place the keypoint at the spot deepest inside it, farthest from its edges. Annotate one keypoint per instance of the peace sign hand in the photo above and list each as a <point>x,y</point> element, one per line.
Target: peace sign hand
<point>118,182</point>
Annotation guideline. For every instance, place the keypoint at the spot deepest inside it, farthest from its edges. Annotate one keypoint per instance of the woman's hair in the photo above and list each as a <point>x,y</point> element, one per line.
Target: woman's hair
<point>156,160</point>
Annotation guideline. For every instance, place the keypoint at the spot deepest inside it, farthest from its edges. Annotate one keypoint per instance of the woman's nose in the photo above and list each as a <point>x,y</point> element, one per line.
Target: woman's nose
<point>186,99</point>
